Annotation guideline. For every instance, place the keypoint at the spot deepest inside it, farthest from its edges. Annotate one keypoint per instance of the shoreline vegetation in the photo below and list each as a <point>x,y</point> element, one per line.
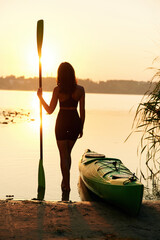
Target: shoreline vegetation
<point>109,86</point>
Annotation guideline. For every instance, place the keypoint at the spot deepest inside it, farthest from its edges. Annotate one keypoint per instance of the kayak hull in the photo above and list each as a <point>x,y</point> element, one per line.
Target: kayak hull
<point>115,184</point>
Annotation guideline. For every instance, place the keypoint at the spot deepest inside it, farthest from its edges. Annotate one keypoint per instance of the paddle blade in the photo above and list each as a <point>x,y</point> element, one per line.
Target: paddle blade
<point>41,181</point>
<point>39,36</point>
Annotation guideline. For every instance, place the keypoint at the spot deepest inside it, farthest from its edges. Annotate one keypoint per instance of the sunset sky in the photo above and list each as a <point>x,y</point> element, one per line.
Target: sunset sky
<point>102,39</point>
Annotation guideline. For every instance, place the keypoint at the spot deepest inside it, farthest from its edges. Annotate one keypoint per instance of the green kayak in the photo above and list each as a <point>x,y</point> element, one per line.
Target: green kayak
<point>112,181</point>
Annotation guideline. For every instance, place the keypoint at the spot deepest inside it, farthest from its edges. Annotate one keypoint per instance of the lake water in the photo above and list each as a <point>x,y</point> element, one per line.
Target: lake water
<point>108,122</point>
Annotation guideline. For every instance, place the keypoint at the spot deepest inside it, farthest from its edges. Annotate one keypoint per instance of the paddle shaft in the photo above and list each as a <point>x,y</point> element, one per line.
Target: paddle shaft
<point>39,48</point>
<point>41,130</point>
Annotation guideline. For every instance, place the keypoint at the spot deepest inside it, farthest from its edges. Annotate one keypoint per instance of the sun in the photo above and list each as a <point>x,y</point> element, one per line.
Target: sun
<point>49,61</point>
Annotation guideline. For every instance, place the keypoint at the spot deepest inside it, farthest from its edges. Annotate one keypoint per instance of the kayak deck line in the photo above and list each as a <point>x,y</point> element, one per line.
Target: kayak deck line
<point>112,164</point>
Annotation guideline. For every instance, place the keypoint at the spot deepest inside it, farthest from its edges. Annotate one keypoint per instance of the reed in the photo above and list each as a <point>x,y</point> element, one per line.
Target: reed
<point>147,123</point>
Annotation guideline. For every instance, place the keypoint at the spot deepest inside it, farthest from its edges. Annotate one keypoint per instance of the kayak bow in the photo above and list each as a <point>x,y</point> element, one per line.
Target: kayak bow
<point>112,181</point>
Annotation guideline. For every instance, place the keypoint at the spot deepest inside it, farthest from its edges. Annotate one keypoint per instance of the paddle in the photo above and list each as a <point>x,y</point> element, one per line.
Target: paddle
<point>41,175</point>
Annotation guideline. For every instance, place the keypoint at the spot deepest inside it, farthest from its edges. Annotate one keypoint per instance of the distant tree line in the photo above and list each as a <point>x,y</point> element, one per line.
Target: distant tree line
<point>110,86</point>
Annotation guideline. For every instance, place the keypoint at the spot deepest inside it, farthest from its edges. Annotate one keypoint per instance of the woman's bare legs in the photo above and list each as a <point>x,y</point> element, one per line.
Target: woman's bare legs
<point>65,148</point>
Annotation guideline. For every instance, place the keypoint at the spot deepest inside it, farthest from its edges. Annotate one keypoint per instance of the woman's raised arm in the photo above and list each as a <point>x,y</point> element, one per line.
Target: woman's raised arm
<point>53,103</point>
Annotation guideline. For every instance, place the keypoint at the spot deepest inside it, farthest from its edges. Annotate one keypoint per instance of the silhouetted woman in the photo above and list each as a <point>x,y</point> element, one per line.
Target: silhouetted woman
<point>69,124</point>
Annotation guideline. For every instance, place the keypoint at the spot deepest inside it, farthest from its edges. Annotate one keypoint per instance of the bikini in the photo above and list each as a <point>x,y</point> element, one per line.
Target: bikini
<point>68,123</point>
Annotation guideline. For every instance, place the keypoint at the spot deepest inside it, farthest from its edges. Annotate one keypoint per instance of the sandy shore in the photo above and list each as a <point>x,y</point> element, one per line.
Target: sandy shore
<point>76,220</point>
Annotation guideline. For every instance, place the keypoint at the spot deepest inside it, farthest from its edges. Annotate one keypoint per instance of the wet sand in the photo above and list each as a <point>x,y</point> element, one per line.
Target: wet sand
<point>76,220</point>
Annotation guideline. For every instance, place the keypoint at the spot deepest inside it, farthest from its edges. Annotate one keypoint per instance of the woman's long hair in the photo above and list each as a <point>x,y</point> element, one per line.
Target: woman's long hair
<point>66,79</point>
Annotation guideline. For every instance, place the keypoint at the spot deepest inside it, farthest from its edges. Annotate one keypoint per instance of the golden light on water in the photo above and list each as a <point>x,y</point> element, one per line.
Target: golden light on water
<point>48,121</point>
<point>48,124</point>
